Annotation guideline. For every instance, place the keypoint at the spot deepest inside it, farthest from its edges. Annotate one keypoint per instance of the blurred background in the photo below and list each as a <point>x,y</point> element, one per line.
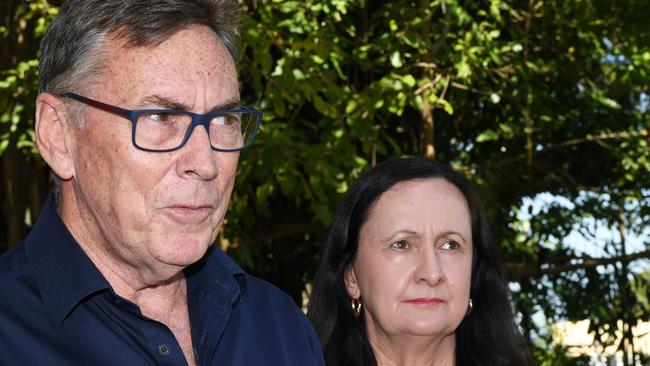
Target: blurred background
<point>544,104</point>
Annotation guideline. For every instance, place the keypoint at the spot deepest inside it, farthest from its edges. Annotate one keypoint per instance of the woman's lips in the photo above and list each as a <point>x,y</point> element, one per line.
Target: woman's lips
<point>189,214</point>
<point>425,301</point>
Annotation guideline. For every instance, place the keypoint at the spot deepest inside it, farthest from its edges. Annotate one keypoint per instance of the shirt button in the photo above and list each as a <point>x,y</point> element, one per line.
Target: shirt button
<point>163,349</point>
<point>117,301</point>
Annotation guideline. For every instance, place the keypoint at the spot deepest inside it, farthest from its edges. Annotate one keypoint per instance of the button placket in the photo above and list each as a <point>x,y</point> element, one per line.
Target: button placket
<point>164,350</point>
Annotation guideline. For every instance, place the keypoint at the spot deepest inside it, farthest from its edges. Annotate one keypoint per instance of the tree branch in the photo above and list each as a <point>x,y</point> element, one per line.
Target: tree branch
<point>589,138</point>
<point>520,270</point>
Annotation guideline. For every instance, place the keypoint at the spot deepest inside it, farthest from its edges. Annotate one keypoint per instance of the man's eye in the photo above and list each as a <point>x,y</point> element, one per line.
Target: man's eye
<point>450,245</point>
<point>402,244</point>
<point>161,117</point>
<point>230,119</point>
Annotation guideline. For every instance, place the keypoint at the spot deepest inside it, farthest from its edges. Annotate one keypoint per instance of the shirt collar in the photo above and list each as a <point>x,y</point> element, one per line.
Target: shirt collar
<point>64,273</point>
<point>219,275</point>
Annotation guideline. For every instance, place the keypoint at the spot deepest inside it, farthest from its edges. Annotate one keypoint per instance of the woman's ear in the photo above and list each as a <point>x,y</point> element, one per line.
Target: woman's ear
<point>351,284</point>
<point>52,134</point>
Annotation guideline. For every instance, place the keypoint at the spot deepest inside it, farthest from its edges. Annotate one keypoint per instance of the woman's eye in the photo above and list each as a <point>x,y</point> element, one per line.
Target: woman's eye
<point>450,245</point>
<point>402,244</point>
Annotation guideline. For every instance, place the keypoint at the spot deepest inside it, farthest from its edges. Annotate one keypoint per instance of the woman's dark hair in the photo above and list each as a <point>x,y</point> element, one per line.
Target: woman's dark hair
<point>487,336</point>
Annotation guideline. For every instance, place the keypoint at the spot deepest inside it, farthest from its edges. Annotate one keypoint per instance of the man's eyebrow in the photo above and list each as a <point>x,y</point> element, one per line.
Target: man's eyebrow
<point>163,102</point>
<point>230,104</point>
<point>166,103</point>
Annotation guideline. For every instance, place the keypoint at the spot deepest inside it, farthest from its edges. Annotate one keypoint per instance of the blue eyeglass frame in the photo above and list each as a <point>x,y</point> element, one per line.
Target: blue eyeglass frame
<point>197,120</point>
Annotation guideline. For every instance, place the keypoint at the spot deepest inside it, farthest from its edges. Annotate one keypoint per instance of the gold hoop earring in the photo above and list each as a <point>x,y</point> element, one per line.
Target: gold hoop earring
<point>469,307</point>
<point>356,307</point>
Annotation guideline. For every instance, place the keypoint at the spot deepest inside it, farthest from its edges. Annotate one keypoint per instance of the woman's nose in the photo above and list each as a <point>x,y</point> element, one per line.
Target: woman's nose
<point>429,267</point>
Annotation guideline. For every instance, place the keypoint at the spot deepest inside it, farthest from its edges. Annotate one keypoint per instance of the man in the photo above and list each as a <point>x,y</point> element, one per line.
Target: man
<point>140,119</point>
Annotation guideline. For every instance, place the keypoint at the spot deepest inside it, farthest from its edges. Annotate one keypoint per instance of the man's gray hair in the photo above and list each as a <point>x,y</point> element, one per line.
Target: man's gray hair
<point>70,49</point>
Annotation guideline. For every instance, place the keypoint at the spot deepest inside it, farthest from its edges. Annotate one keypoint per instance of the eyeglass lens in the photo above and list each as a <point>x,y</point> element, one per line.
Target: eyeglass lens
<point>161,131</point>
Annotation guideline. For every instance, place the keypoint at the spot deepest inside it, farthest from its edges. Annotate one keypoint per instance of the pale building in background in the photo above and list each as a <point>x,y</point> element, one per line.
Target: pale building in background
<point>579,342</point>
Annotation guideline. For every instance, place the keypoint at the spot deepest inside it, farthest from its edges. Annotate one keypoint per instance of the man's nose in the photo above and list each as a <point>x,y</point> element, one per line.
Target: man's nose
<point>197,159</point>
<point>429,267</point>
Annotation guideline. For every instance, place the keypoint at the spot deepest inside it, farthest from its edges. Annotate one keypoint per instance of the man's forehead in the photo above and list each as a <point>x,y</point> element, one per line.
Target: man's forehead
<point>191,70</point>
<point>180,47</point>
<point>125,39</point>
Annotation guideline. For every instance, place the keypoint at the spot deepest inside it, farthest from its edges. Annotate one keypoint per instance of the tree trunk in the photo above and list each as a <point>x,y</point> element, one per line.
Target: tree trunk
<point>427,146</point>
<point>628,319</point>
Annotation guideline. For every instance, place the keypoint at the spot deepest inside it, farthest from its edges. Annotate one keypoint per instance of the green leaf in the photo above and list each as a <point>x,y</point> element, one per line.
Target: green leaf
<point>446,106</point>
<point>409,80</point>
<point>396,60</point>
<point>463,70</point>
<point>3,145</point>
<point>393,25</point>
<point>298,75</point>
<point>487,135</point>
<point>610,103</point>
<point>351,106</point>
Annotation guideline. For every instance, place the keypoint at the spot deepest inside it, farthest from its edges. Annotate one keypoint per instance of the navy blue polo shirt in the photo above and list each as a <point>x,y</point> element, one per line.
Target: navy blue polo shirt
<point>56,308</point>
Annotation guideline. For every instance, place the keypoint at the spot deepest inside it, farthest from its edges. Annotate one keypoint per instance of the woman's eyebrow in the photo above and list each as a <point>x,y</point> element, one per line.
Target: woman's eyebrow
<point>451,232</point>
<point>399,232</point>
<point>409,232</point>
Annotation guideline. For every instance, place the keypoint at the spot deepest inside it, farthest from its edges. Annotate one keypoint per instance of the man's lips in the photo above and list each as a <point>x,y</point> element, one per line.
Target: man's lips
<point>425,301</point>
<point>189,214</point>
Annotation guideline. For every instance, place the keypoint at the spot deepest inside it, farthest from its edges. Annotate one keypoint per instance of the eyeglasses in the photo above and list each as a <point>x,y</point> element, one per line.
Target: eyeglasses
<point>163,130</point>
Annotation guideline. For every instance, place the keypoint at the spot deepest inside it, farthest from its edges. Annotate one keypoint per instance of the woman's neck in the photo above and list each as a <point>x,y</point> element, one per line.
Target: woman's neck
<point>413,350</point>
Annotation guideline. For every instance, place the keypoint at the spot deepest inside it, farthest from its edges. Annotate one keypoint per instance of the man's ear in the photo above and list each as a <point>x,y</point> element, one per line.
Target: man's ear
<point>351,284</point>
<point>52,134</point>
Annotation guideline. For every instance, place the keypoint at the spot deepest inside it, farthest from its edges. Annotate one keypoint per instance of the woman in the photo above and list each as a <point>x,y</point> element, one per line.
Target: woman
<point>409,275</point>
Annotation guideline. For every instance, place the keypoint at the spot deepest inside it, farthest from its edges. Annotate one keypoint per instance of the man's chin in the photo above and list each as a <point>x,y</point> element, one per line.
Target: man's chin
<point>184,253</point>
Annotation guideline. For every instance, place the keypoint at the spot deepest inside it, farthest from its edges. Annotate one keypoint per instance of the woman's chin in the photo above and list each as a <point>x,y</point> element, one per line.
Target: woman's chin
<point>429,328</point>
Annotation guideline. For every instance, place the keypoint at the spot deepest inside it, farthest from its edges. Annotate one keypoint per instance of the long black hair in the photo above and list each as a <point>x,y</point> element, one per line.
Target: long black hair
<point>487,336</point>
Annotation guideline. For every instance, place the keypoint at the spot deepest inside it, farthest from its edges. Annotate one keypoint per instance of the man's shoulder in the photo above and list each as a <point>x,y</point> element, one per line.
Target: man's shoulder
<point>261,290</point>
<point>13,266</point>
<point>263,302</point>
<point>251,289</point>
<point>22,301</point>
<point>282,332</point>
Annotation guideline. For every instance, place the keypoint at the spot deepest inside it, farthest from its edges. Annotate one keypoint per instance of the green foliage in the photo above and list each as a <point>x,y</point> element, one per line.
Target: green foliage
<point>547,98</point>
<point>556,355</point>
<point>528,98</point>
<point>19,73</point>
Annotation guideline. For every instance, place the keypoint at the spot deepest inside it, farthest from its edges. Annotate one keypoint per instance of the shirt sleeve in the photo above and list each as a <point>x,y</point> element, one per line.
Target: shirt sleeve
<point>314,343</point>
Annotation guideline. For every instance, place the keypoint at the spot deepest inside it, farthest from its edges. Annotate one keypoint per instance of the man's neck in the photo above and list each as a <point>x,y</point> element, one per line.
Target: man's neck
<point>161,295</point>
<point>126,276</point>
